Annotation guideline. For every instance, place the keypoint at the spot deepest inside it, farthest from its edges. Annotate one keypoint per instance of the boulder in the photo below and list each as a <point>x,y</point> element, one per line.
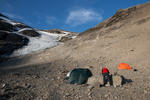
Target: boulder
<point>64,38</point>
<point>6,26</point>
<point>19,25</point>
<point>11,41</point>
<point>117,80</point>
<point>31,33</point>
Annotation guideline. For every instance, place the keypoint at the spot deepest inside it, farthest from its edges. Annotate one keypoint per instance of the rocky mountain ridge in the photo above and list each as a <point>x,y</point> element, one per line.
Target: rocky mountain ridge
<point>21,33</point>
<point>69,35</point>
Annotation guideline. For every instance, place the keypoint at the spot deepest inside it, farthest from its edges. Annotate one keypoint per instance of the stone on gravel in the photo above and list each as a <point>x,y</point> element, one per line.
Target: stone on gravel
<point>107,85</point>
<point>58,78</point>
<point>90,87</point>
<point>90,95</point>
<point>67,94</point>
<point>36,76</point>
<point>106,95</point>
<point>145,91</point>
<point>25,85</point>
<point>3,85</point>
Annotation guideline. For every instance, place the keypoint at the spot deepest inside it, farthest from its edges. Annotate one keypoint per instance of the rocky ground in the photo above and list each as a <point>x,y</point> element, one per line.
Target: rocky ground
<point>40,75</point>
<point>46,82</point>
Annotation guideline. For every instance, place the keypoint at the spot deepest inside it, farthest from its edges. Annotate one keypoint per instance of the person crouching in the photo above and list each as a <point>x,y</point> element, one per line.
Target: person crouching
<point>106,77</point>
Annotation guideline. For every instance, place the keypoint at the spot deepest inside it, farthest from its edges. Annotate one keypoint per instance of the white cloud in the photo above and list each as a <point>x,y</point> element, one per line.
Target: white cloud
<point>82,16</point>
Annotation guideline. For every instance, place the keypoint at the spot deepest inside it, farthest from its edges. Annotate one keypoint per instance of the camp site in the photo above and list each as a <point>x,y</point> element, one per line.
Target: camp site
<point>74,49</point>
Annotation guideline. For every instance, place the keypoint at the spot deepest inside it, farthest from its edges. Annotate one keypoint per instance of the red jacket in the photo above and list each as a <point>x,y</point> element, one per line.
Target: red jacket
<point>105,70</point>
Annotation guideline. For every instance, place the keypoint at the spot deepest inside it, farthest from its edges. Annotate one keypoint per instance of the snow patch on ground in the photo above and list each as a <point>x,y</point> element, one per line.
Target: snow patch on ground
<point>74,37</point>
<point>8,20</point>
<point>66,32</point>
<point>25,29</point>
<point>59,36</point>
<point>46,40</point>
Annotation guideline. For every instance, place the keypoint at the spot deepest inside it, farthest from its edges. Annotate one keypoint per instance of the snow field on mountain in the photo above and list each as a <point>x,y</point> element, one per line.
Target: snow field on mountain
<point>46,40</point>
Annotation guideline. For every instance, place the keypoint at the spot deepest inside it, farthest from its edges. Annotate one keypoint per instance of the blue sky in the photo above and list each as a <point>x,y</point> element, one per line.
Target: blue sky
<point>71,15</point>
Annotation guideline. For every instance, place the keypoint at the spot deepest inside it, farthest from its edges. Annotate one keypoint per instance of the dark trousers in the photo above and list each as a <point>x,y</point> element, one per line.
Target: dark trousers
<point>107,78</point>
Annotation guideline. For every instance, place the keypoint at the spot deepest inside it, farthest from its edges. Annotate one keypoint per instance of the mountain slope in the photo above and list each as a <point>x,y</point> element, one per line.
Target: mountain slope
<point>124,37</point>
<point>27,38</point>
<point>120,18</point>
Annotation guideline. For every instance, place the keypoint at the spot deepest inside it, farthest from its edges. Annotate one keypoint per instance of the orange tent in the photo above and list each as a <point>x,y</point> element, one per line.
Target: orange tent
<point>124,66</point>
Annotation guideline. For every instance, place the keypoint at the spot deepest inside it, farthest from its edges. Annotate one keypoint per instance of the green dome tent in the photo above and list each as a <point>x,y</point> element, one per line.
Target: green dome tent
<point>78,76</point>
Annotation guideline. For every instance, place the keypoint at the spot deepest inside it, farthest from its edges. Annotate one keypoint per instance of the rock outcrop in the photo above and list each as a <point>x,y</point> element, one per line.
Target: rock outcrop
<point>9,39</point>
<point>10,42</point>
<point>66,35</point>
<point>31,33</point>
<point>95,80</point>
<point>6,26</point>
